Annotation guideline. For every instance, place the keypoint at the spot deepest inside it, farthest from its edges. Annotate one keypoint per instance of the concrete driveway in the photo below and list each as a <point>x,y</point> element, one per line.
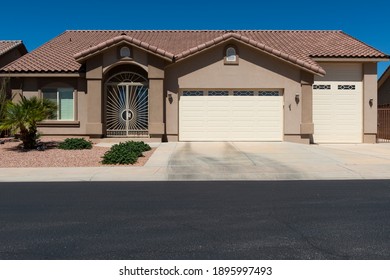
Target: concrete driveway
<point>277,161</point>
<point>231,161</point>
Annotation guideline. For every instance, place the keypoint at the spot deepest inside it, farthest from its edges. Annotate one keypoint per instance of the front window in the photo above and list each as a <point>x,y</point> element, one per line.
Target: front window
<point>64,98</point>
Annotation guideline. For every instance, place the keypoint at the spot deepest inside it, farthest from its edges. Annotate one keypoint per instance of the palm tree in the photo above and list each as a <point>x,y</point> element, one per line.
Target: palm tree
<point>24,116</point>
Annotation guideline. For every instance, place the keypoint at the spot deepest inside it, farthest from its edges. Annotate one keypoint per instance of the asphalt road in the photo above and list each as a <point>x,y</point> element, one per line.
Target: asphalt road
<point>195,220</point>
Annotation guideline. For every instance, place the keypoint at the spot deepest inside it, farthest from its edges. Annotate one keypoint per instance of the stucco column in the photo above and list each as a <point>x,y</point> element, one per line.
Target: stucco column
<point>370,114</point>
<point>156,97</point>
<point>306,98</point>
<point>94,75</point>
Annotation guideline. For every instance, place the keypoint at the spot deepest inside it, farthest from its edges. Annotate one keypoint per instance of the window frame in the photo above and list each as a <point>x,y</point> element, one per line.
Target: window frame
<point>57,91</point>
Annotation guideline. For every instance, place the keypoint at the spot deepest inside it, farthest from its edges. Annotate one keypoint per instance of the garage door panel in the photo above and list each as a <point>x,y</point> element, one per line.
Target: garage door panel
<point>231,118</point>
<point>337,112</point>
<point>217,104</point>
<point>243,114</point>
<point>217,124</point>
<point>217,114</point>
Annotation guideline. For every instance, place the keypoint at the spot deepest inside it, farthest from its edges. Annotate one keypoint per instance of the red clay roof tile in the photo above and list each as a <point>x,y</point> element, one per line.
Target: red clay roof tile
<point>7,45</point>
<point>62,53</point>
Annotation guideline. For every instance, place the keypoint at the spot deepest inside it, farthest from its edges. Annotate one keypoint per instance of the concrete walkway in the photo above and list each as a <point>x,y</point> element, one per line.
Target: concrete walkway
<point>232,161</point>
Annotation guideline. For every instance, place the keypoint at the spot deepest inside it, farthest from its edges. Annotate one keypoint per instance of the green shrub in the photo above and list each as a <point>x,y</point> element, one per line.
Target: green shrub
<point>125,153</point>
<point>75,144</point>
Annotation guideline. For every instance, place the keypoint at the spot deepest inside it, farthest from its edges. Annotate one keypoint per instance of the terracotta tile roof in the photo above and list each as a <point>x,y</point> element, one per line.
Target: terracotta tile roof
<point>6,46</point>
<point>299,47</point>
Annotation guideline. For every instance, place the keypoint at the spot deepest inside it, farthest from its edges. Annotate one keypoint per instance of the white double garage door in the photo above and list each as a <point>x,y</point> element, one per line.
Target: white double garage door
<point>239,115</point>
<point>257,115</point>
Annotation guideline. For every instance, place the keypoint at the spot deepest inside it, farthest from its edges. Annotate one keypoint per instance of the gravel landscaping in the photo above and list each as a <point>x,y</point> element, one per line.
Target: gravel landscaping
<point>12,155</point>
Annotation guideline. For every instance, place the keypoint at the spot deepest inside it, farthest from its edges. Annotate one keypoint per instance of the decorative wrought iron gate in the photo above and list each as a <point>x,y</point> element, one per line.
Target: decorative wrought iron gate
<point>383,125</point>
<point>127,107</point>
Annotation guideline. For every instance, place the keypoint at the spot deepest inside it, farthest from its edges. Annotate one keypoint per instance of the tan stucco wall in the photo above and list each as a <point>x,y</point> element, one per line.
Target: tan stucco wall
<point>306,98</point>
<point>384,93</point>
<point>30,87</point>
<point>370,114</point>
<point>255,70</point>
<point>102,66</point>
<point>111,59</point>
<point>156,76</point>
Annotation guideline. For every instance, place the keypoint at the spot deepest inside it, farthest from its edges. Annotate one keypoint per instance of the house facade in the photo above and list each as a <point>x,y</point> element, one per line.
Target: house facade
<point>299,86</point>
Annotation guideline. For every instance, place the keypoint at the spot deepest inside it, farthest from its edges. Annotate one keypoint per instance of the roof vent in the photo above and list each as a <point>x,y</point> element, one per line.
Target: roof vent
<point>125,52</point>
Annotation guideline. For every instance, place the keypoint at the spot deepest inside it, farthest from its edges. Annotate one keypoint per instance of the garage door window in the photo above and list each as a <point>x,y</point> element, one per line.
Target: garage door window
<point>269,93</point>
<point>224,92</point>
<point>243,93</point>
<point>324,87</point>
<point>218,93</point>
<point>346,87</point>
<point>193,93</point>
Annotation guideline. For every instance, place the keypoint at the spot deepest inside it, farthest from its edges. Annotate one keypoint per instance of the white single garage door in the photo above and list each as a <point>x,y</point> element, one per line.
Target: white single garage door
<point>338,104</point>
<point>240,115</point>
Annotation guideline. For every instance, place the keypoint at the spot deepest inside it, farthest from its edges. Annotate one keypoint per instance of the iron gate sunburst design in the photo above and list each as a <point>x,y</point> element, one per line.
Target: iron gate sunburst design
<point>127,109</point>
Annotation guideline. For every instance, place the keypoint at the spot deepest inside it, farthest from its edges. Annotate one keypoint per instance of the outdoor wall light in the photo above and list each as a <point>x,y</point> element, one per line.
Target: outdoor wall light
<point>170,98</point>
<point>371,102</point>
<point>297,98</point>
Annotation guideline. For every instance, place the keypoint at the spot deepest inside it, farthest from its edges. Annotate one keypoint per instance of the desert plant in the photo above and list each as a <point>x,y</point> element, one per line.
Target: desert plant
<point>125,153</point>
<point>3,98</point>
<point>24,117</point>
<point>75,144</point>
<point>138,146</point>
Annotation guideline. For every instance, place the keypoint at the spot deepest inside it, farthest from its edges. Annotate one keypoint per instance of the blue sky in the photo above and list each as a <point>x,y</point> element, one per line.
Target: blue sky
<point>36,23</point>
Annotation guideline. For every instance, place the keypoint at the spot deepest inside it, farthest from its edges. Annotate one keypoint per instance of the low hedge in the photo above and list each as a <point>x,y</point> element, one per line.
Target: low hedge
<point>125,152</point>
<point>75,144</point>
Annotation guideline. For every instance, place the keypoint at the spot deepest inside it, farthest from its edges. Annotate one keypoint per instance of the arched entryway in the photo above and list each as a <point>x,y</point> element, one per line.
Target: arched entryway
<point>127,105</point>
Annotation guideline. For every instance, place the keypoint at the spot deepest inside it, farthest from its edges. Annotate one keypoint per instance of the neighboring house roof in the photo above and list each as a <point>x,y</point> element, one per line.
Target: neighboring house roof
<point>384,77</point>
<point>66,52</point>
<point>6,46</point>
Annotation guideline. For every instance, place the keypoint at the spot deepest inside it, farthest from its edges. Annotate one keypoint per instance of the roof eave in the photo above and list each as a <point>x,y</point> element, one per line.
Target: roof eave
<point>32,74</point>
<point>349,59</point>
